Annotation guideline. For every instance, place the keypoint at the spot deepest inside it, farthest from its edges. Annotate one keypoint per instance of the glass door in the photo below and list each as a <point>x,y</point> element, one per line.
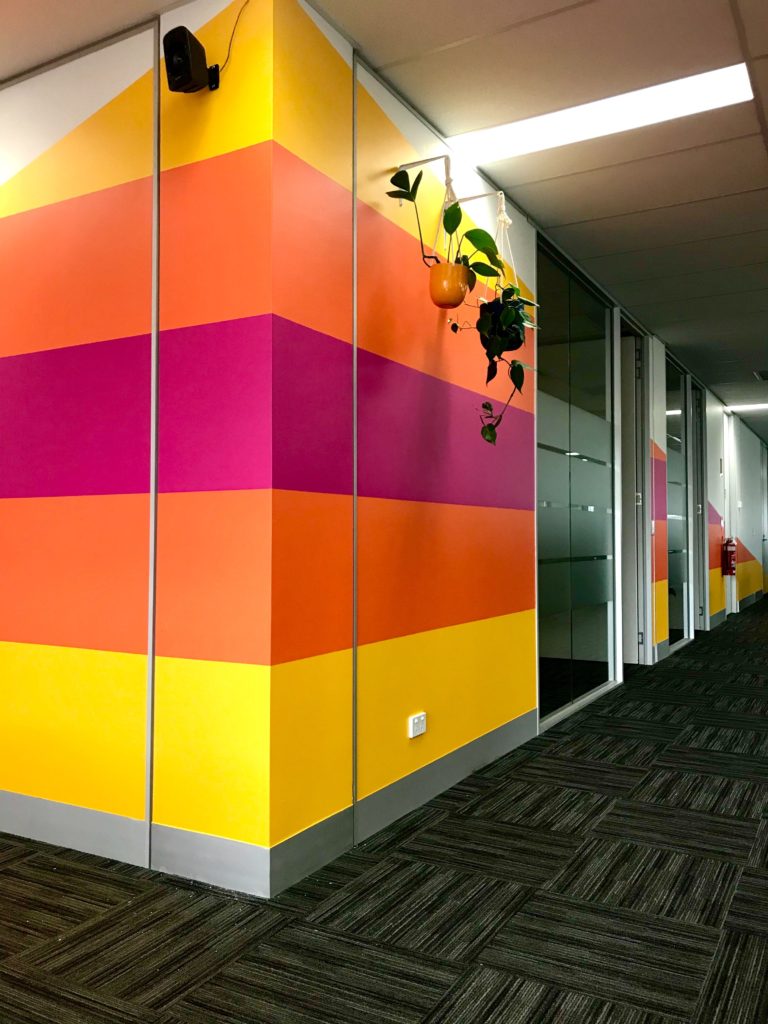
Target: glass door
<point>677,502</point>
<point>575,488</point>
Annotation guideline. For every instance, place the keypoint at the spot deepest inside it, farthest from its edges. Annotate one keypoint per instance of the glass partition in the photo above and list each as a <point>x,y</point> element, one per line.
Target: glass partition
<point>575,488</point>
<point>677,502</point>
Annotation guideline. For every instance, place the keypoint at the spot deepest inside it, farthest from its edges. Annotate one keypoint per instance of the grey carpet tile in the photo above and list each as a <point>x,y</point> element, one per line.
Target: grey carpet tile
<point>750,680</point>
<point>758,858</point>
<point>660,709</point>
<point>507,766</point>
<point>706,835</point>
<point>659,882</point>
<point>11,852</point>
<point>703,683</point>
<point>488,996</point>
<point>390,838</point>
<point>306,975</point>
<point>654,965</point>
<point>749,909</point>
<point>464,793</point>
<point>429,910</point>
<point>605,725</point>
<point>515,853</point>
<point>714,762</point>
<point>28,996</point>
<point>739,702</point>
<point>608,779</point>
<point>731,720</point>
<point>315,890</point>
<point>711,794</point>
<point>157,948</point>
<point>736,991</point>
<point>541,805</point>
<point>622,750</point>
<point>41,897</point>
<point>749,742</point>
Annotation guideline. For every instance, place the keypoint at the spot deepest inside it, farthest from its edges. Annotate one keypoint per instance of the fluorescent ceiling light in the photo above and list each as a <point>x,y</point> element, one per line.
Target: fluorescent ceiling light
<point>674,412</point>
<point>636,109</point>
<point>759,407</point>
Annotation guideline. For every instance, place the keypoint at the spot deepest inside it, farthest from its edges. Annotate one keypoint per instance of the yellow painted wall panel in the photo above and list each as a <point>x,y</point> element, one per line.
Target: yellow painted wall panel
<point>203,124</point>
<point>313,94</point>
<point>470,679</point>
<point>716,591</point>
<point>212,748</point>
<point>72,727</point>
<point>749,578</point>
<point>113,146</point>
<point>311,761</point>
<point>660,611</point>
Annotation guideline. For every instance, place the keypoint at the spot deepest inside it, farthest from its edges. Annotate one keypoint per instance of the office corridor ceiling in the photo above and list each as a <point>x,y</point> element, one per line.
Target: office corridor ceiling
<point>671,219</point>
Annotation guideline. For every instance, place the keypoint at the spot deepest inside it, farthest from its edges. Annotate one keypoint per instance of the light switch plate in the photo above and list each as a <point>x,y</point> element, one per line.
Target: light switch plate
<point>417,725</point>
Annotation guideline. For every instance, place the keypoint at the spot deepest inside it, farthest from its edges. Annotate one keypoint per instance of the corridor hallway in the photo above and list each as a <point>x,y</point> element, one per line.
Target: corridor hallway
<point>613,870</point>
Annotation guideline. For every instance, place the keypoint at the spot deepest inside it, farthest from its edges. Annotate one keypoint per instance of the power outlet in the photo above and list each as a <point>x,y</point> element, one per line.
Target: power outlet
<point>417,725</point>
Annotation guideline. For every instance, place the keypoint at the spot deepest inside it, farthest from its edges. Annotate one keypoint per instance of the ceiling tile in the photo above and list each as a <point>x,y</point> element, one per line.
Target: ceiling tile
<point>696,285</point>
<point>410,30</point>
<point>581,54</point>
<point>754,14</point>
<point>669,226</point>
<point>705,254</point>
<point>682,133</point>
<point>658,315</point>
<point>687,176</point>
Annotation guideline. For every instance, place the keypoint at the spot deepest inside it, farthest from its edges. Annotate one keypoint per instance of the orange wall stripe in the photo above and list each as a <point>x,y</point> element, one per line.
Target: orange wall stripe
<point>75,571</point>
<point>77,271</point>
<point>427,565</point>
<point>213,575</point>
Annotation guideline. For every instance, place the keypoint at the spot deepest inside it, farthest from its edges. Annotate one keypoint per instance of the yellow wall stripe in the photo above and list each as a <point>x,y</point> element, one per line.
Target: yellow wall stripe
<point>72,727</point>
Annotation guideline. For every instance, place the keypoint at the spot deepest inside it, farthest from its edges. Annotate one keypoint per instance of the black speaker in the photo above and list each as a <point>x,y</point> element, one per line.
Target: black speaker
<point>185,63</point>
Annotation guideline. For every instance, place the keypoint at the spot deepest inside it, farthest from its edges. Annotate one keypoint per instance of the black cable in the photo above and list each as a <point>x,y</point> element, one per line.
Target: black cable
<point>234,29</point>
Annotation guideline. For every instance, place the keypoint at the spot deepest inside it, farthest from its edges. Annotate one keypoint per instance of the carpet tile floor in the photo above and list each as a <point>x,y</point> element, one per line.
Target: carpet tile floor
<point>612,871</point>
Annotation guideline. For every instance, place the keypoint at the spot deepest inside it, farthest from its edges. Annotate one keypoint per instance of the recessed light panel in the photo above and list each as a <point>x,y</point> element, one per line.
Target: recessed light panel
<point>637,109</point>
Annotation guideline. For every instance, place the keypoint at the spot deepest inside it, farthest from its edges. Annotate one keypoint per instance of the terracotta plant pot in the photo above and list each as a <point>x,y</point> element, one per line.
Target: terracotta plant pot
<point>448,284</point>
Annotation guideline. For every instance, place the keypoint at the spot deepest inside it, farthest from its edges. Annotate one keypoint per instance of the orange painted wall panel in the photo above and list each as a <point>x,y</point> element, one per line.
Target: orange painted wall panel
<point>660,550</point>
<point>424,565</point>
<point>215,252</point>
<point>311,574</point>
<point>213,571</point>
<point>75,571</point>
<point>77,271</point>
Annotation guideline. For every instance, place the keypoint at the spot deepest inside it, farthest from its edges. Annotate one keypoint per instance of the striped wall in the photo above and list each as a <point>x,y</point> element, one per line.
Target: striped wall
<point>716,506</point>
<point>226,538</point>
<point>75,397</point>
<point>446,588</point>
<point>747,510</point>
<point>658,480</point>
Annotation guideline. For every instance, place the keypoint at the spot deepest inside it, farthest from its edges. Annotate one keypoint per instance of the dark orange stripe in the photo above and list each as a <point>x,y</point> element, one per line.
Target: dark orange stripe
<point>213,575</point>
<point>427,565</point>
<point>77,271</point>
<point>75,571</point>
<point>660,551</point>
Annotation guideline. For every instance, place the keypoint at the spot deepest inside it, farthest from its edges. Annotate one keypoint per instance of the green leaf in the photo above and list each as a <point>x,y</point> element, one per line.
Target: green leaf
<point>452,218</point>
<point>471,280</point>
<point>493,369</point>
<point>415,186</point>
<point>481,240</point>
<point>527,302</point>
<point>488,433</point>
<point>488,407</point>
<point>517,374</point>
<point>484,324</point>
<point>483,270</point>
<point>399,194</point>
<point>495,260</point>
<point>455,327</point>
<point>509,316</point>
<point>402,180</point>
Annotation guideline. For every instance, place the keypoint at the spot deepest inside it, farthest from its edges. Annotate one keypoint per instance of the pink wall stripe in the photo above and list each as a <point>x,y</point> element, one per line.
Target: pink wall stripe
<point>76,420</point>
<point>659,470</point>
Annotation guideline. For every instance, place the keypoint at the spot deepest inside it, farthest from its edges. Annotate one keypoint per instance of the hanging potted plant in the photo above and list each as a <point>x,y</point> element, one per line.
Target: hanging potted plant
<point>502,319</point>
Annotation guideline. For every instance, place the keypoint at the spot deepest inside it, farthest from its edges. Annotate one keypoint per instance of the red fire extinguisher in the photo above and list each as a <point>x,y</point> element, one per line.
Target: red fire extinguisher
<point>729,557</point>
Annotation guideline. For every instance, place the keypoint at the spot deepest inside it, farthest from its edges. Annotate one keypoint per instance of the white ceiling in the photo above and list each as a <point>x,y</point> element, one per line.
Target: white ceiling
<point>671,219</point>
